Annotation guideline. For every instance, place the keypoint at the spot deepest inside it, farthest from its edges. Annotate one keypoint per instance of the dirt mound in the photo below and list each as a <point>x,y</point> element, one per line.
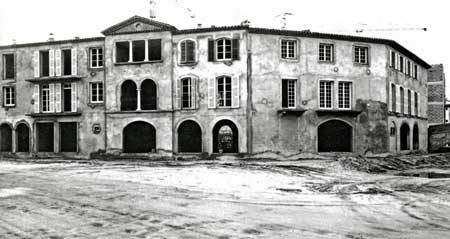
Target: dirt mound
<point>394,163</point>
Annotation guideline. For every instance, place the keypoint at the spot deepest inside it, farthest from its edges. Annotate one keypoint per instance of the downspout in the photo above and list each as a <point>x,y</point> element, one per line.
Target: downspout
<point>172,92</point>
<point>249,96</point>
<point>105,98</point>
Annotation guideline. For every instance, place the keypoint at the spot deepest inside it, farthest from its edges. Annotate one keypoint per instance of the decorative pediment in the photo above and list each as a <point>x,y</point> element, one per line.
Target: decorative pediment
<point>137,24</point>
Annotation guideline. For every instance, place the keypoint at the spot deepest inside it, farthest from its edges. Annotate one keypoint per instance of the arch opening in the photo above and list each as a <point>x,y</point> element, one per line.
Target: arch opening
<point>139,137</point>
<point>189,137</point>
<point>23,138</point>
<point>416,137</point>
<point>128,96</point>
<point>225,137</point>
<point>148,95</point>
<point>404,137</point>
<point>334,136</point>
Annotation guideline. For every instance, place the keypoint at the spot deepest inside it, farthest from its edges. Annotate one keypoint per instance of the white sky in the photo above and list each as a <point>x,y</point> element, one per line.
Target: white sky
<point>33,20</point>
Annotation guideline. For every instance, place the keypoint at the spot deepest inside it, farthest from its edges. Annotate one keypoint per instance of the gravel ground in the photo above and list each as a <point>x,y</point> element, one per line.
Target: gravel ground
<point>291,199</point>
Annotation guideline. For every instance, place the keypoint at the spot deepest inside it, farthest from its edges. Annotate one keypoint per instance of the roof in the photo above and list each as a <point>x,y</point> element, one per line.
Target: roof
<point>160,25</point>
<point>309,34</point>
<point>46,43</point>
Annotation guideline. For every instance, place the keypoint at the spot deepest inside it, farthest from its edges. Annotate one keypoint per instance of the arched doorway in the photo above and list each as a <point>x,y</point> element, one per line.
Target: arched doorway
<point>139,137</point>
<point>404,137</point>
<point>23,138</point>
<point>393,134</point>
<point>415,137</point>
<point>5,138</point>
<point>128,95</point>
<point>189,137</point>
<point>334,136</point>
<point>225,137</point>
<point>148,95</point>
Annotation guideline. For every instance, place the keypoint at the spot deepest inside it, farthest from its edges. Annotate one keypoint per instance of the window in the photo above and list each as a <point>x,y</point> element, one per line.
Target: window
<point>8,66</point>
<point>415,71</point>
<point>361,55</point>
<point>223,49</point>
<point>326,52</point>
<point>96,57</point>
<point>408,68</point>
<point>187,93</point>
<point>344,95</point>
<point>288,49</point>
<point>416,103</point>
<point>288,93</point>
<point>187,52</point>
<point>402,100</point>
<point>409,102</point>
<point>394,97</point>
<point>96,92</point>
<point>67,62</point>
<point>45,63</point>
<point>401,64</point>
<point>67,97</point>
<point>224,91</point>
<point>393,59</point>
<point>138,51</point>
<point>9,96</point>
<point>325,94</point>
<point>45,100</point>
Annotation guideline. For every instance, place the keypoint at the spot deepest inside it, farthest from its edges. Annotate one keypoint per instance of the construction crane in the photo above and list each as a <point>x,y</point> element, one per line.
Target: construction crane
<point>361,30</point>
<point>284,18</point>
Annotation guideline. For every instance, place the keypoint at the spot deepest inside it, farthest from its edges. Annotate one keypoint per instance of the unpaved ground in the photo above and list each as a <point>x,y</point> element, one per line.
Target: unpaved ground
<point>301,199</point>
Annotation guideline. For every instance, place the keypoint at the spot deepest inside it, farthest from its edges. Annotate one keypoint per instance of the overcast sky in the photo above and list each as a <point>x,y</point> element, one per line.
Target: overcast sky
<point>32,20</point>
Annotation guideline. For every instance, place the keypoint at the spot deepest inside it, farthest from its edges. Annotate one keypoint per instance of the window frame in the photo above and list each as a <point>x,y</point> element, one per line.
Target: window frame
<point>350,97</point>
<point>332,55</point>
<point>194,53</point>
<point>191,93</point>
<point>91,95</point>
<point>41,66</point>
<point>295,49</point>
<point>325,96</point>
<point>3,68</point>
<point>12,98</point>
<point>216,46</point>
<point>41,96</point>
<point>147,50</point>
<point>367,55</point>
<point>97,61</point>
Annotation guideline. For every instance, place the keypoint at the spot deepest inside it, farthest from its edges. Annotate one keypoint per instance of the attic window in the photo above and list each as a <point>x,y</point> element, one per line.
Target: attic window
<point>8,66</point>
<point>122,51</point>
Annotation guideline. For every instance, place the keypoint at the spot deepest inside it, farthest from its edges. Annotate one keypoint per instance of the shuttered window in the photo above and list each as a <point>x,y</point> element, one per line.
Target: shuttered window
<point>187,52</point>
<point>187,93</point>
<point>45,98</point>
<point>394,98</point>
<point>402,100</point>
<point>8,66</point>
<point>223,49</point>
<point>44,63</point>
<point>224,91</point>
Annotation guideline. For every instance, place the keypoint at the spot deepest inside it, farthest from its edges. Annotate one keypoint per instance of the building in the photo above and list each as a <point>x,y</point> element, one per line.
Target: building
<point>147,88</point>
<point>436,95</point>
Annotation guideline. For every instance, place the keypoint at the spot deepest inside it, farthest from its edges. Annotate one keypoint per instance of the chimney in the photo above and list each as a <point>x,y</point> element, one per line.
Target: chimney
<point>152,9</point>
<point>51,37</point>
<point>77,38</point>
<point>14,41</point>
<point>199,25</point>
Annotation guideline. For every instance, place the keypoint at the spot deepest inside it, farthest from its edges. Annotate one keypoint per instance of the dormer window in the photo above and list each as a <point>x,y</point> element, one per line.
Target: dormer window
<point>187,52</point>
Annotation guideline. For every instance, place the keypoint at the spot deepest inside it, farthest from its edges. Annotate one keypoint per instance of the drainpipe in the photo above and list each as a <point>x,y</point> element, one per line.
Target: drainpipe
<point>249,96</point>
<point>172,85</point>
<point>105,98</point>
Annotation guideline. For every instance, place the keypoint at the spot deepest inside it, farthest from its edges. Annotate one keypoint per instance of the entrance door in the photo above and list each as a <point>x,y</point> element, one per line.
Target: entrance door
<point>23,138</point>
<point>5,138</point>
<point>334,136</point>
<point>68,136</point>
<point>139,137</point>
<point>189,137</point>
<point>45,133</point>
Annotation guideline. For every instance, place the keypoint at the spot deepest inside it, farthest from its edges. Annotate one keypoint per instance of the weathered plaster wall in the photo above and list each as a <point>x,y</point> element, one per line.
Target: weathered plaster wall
<point>294,134</point>
<point>87,141</point>
<point>160,72</point>
<point>204,70</point>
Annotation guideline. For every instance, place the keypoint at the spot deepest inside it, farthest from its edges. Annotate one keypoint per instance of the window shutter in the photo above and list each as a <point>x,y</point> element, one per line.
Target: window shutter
<point>183,52</point>
<point>210,50</point>
<point>194,92</point>
<point>235,92</point>
<point>74,97</point>
<point>51,54</point>
<point>52,97</point>
<point>398,103</point>
<point>390,59</point>
<point>235,50</point>
<point>413,103</point>
<point>36,98</point>
<point>36,64</point>
<point>58,97</point>
<point>74,61</point>
<point>418,105</point>
<point>58,62</point>
<point>190,48</point>
<point>154,48</point>
<point>405,102</point>
<point>212,93</point>
<point>178,94</point>
<point>390,97</point>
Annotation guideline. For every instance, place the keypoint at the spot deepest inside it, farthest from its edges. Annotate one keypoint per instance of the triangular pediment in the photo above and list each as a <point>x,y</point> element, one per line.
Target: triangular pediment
<point>137,24</point>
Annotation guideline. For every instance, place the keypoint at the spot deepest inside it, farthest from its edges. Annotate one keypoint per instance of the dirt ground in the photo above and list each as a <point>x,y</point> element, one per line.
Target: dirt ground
<point>289,199</point>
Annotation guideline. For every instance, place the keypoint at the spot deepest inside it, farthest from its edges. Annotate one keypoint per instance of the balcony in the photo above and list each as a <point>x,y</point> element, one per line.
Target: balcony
<point>339,112</point>
<point>291,111</point>
<point>53,114</point>
<point>51,79</point>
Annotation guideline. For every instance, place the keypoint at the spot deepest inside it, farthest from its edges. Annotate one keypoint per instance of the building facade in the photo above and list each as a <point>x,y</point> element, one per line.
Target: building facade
<point>149,89</point>
<point>436,95</point>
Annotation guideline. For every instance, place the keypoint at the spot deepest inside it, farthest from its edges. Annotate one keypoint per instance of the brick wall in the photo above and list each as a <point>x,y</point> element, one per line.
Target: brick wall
<point>436,95</point>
